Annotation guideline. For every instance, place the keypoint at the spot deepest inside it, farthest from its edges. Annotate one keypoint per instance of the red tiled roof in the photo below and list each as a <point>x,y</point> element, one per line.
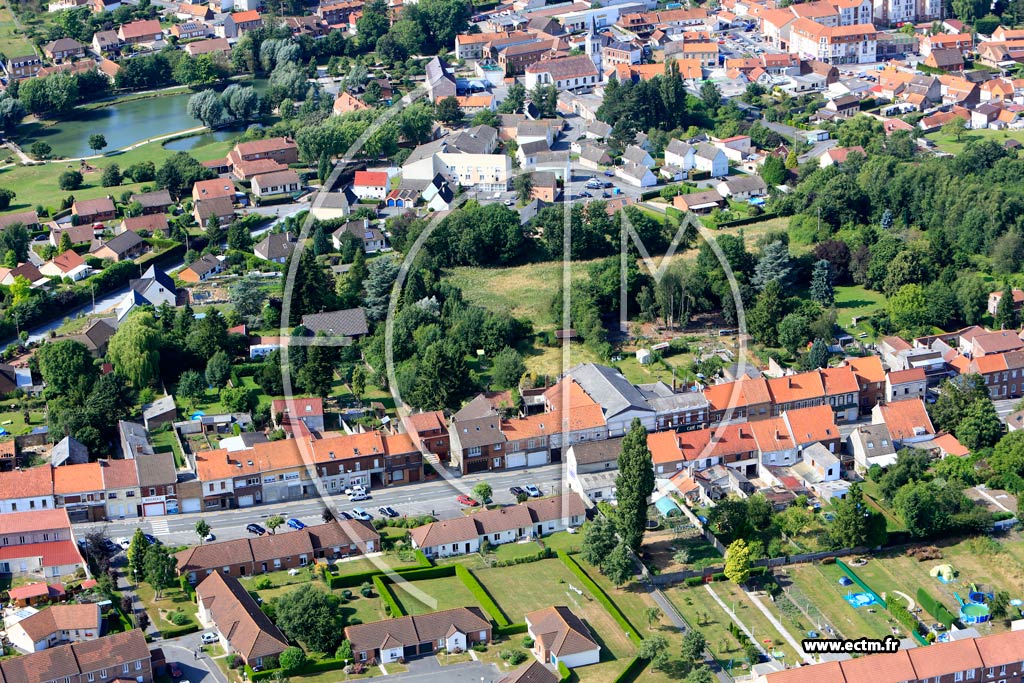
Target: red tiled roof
<point>370,179</point>
<point>53,553</point>
<point>34,520</point>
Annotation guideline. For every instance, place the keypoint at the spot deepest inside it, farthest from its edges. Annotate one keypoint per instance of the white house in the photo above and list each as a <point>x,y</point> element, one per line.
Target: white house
<point>26,490</point>
<point>904,384</point>
<point>871,445</point>
<point>680,155</point>
<point>276,183</point>
<point>54,626</point>
<point>532,519</point>
<point>560,637</point>
<point>370,184</point>
<point>710,159</point>
<point>636,175</point>
<point>566,73</point>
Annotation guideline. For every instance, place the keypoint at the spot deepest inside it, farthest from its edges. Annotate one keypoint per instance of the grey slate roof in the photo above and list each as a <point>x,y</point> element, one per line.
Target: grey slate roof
<point>610,388</point>
<point>661,397</point>
<point>350,322</point>
<point>592,452</point>
<point>69,451</point>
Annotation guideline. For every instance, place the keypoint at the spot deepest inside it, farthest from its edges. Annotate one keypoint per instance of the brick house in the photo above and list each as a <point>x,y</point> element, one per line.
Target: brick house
<point>404,638</point>
<point>429,432</point>
<point>94,210</point>
<point>242,628</point>
<point>38,542</point>
<point>118,657</point>
<point>127,245</point>
<point>477,442</point>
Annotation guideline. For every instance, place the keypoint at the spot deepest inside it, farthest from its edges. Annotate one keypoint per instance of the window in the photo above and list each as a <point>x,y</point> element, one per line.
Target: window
<point>91,676</point>
<point>124,668</point>
<point>103,674</point>
<point>111,496</point>
<point>152,491</point>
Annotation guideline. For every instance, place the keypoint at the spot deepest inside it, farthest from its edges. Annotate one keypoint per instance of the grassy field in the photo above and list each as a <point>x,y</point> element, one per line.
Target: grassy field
<point>654,372</point>
<point>821,582</point>
<point>15,44</point>
<point>12,418</point>
<point>171,600</point>
<point>549,360</point>
<point>703,613</point>
<point>37,185</point>
<point>448,592</point>
<point>948,143</point>
<point>856,301</point>
<point>524,291</point>
<point>527,587</point>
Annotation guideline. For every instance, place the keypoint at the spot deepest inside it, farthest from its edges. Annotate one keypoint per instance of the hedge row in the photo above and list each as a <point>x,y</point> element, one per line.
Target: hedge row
<point>601,597</point>
<point>425,573</point>
<point>631,672</point>
<point>563,673</point>
<point>178,631</point>
<point>394,608</point>
<point>935,608</point>
<point>359,578</point>
<point>747,221</point>
<point>482,596</point>
<point>545,553</point>
<point>510,630</point>
<point>310,667</point>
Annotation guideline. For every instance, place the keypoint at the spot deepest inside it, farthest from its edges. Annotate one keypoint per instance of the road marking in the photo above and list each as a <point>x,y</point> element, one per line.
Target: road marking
<point>159,527</point>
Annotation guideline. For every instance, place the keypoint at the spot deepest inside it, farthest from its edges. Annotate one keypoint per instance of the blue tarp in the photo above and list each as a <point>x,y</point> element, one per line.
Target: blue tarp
<point>667,507</point>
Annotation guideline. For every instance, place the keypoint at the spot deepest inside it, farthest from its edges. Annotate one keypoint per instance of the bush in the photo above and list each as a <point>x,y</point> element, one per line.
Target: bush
<point>720,576</point>
<point>263,583</point>
<point>179,618</point>
<point>292,659</point>
<point>528,642</point>
<point>70,180</point>
<point>935,608</point>
<point>388,597</point>
<point>480,647</point>
<point>693,581</point>
<point>234,661</point>
<point>513,657</point>
<point>563,672</point>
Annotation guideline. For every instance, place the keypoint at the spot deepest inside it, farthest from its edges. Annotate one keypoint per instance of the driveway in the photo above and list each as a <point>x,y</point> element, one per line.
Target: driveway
<point>468,672</point>
<point>183,652</point>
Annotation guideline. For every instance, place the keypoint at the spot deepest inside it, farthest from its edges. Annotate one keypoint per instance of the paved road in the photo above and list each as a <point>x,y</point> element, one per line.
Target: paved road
<point>432,497</point>
<point>468,672</point>
<point>1004,406</point>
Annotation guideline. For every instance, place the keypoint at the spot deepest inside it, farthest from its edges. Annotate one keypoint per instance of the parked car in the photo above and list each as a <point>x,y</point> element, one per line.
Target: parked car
<point>388,511</point>
<point>463,499</point>
<point>175,670</point>
<point>532,491</point>
<point>610,173</point>
<point>152,540</point>
<point>515,491</point>
<point>255,529</point>
<point>344,515</point>
<point>358,495</point>
<point>209,537</point>
<point>585,194</point>
<point>124,542</point>
<point>356,488</point>
<point>361,514</point>
<point>209,637</point>
<point>605,195</point>
<point>295,524</point>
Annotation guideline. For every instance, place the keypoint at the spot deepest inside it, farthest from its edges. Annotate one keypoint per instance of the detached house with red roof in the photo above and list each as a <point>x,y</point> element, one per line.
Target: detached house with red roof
<point>907,421</point>
<point>905,384</point>
<point>147,31</point>
<point>370,184</point>
<point>39,542</point>
<point>26,490</point>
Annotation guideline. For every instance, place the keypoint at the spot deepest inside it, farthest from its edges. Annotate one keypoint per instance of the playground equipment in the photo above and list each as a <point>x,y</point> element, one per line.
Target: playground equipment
<point>860,599</point>
<point>943,572</point>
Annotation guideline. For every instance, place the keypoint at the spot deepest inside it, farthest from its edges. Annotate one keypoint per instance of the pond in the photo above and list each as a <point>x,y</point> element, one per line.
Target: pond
<point>125,124</point>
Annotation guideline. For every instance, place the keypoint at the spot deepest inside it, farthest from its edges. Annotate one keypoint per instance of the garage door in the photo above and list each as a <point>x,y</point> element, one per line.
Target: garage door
<point>190,505</point>
<point>153,509</point>
<point>516,460</point>
<point>244,501</point>
<point>538,458</point>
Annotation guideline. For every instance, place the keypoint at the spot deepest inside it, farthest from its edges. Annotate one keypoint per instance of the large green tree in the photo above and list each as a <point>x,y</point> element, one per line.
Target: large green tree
<point>856,524</point>
<point>634,485</point>
<point>598,540</point>
<point>67,368</point>
<point>160,568</point>
<point>134,350</point>
<point>310,616</point>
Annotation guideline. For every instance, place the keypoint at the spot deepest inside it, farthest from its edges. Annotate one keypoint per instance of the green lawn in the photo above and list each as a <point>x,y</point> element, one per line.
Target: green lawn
<point>12,417</point>
<point>856,301</point>
<point>164,441</point>
<point>524,291</point>
<point>821,583</point>
<point>703,613</point>
<point>15,44</point>
<point>754,619</point>
<point>37,185</point>
<point>171,600</point>
<point>523,588</point>
<point>447,593</point>
<point>949,143</point>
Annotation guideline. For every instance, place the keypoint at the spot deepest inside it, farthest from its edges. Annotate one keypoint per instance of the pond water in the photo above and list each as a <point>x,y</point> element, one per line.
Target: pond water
<point>127,123</point>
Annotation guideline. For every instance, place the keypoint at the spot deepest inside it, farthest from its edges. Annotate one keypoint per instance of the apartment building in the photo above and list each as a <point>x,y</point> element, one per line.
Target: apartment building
<point>38,543</point>
<point>854,44</point>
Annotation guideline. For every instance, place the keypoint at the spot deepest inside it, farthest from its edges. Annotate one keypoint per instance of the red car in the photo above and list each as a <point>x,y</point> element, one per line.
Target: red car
<point>466,500</point>
<point>175,670</point>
